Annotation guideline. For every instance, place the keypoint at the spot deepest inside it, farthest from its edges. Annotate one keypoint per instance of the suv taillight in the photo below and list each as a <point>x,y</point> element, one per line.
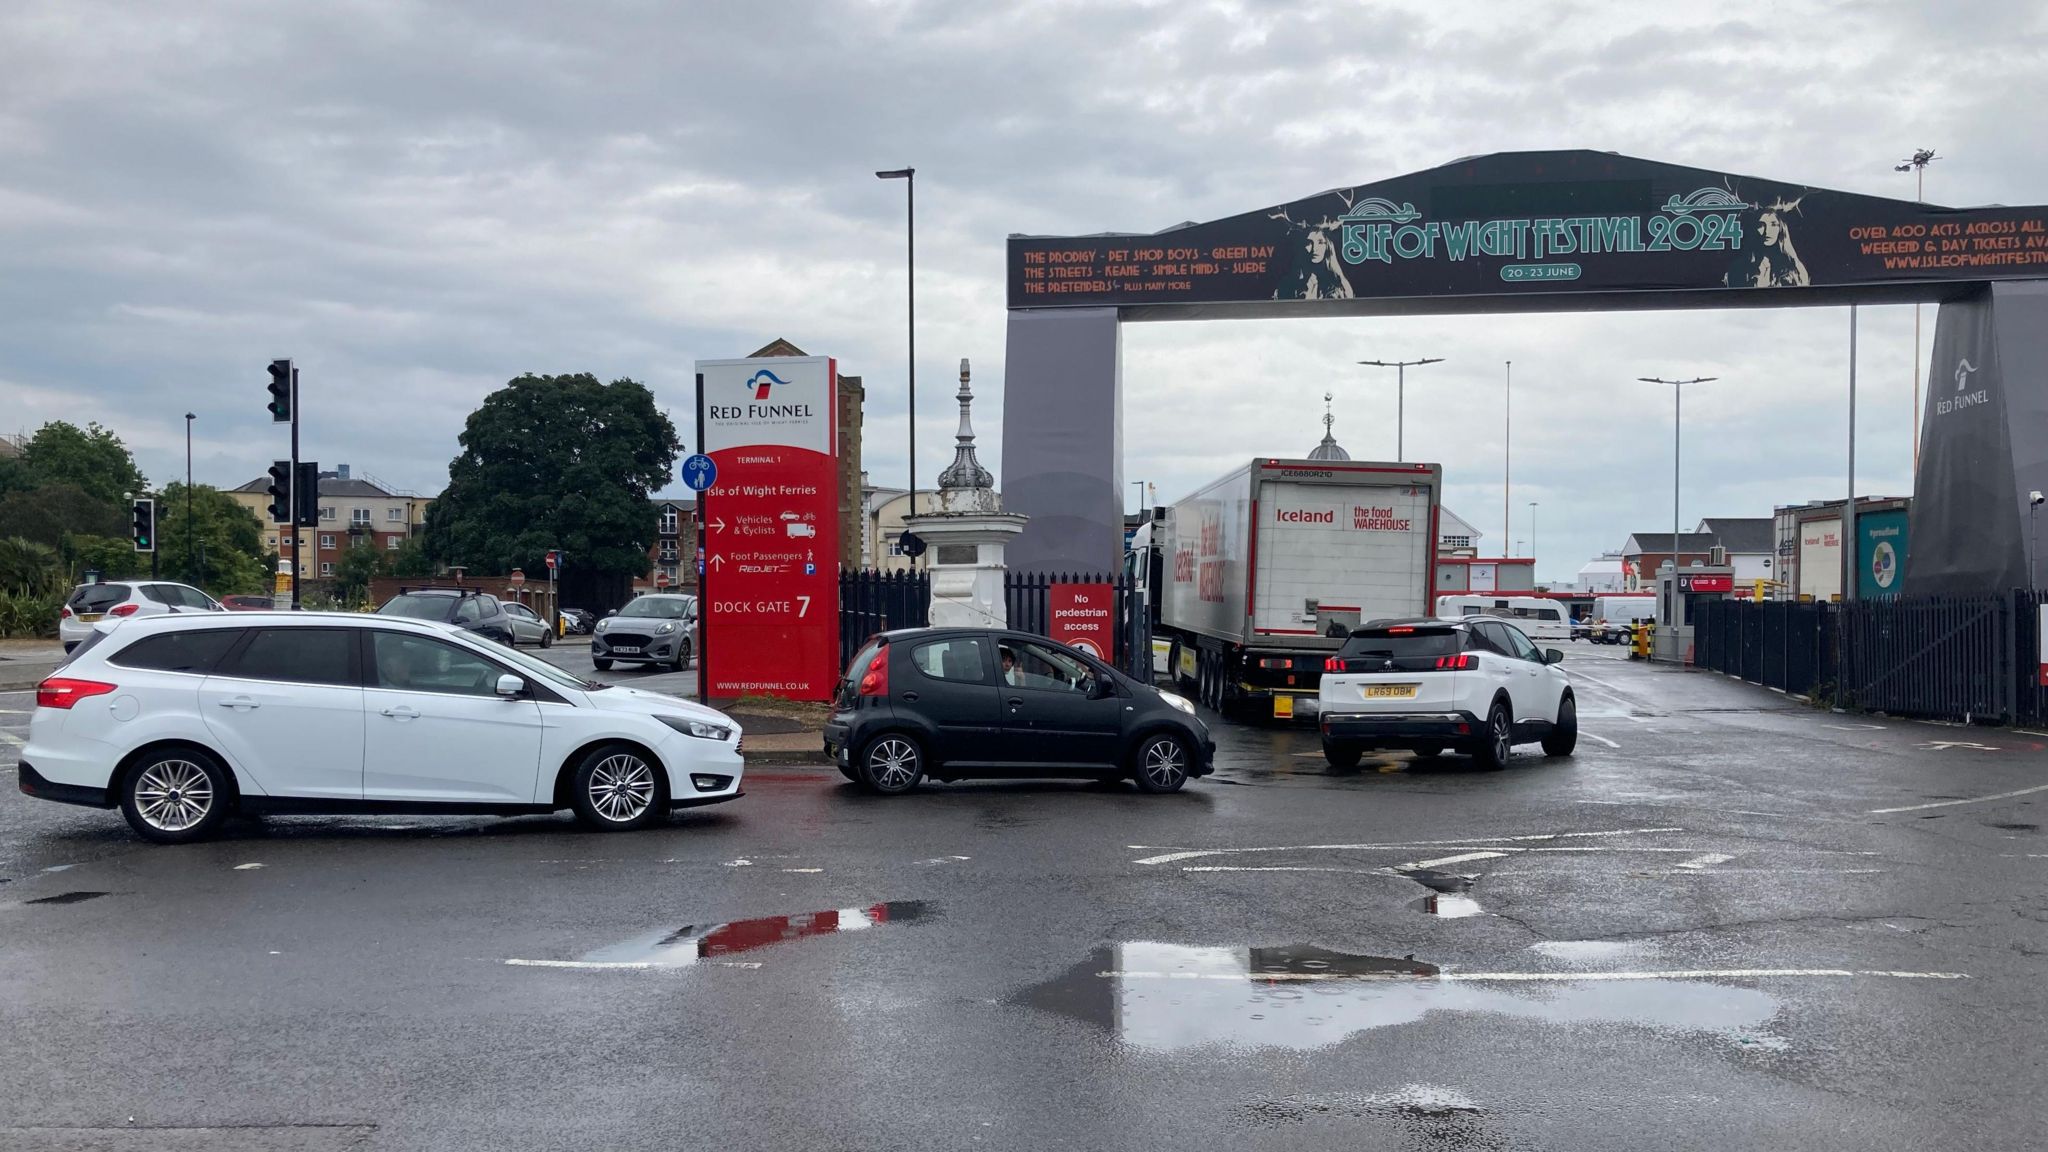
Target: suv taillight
<point>62,692</point>
<point>1334,664</point>
<point>875,680</point>
<point>64,613</point>
<point>1459,663</point>
<point>123,609</point>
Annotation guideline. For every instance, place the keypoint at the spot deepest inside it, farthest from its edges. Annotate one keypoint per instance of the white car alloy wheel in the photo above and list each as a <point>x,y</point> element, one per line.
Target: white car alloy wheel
<point>621,787</point>
<point>1162,764</point>
<point>173,795</point>
<point>893,764</point>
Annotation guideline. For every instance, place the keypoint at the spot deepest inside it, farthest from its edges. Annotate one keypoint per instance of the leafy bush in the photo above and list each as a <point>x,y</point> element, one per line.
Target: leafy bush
<point>29,615</point>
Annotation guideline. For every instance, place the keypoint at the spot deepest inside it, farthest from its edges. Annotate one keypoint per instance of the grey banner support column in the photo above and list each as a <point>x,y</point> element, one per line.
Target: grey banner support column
<point>1063,444</point>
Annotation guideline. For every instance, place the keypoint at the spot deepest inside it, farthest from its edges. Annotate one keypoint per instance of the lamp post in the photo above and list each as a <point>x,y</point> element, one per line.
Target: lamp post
<point>1677,415</point>
<point>909,178</point>
<point>1140,486</point>
<point>1400,368</point>
<point>189,417</point>
<point>1532,535</point>
<point>1507,449</point>
<point>1917,164</point>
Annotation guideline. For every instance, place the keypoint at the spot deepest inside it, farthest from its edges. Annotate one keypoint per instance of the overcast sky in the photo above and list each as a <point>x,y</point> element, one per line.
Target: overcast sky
<point>421,200</point>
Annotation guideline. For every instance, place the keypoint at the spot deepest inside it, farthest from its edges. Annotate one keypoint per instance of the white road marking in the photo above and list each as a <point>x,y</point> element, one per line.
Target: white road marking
<point>1461,858</point>
<point>1953,803</point>
<point>625,965</point>
<point>803,870</point>
<point>1284,868</point>
<point>247,867</point>
<point>1461,842</point>
<point>1527,977</point>
<point>1577,675</point>
<point>1855,727</point>
<point>1705,859</point>
<point>1600,738</point>
<point>944,859</point>
<point>1684,871</point>
<point>742,862</point>
<point>1945,745</point>
<point>10,738</point>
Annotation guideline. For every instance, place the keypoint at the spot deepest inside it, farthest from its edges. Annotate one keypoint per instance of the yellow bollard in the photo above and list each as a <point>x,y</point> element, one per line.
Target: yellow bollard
<point>1641,648</point>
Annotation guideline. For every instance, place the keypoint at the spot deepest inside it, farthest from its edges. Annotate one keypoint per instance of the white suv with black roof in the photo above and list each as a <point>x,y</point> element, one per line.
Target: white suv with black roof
<point>122,599</point>
<point>1474,686</point>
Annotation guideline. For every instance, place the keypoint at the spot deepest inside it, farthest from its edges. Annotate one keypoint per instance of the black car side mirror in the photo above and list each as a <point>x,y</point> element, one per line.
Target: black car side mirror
<point>1099,688</point>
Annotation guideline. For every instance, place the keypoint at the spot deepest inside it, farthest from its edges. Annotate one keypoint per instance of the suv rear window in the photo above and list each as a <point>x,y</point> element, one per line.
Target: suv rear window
<point>96,597</point>
<point>418,607</point>
<point>1399,643</point>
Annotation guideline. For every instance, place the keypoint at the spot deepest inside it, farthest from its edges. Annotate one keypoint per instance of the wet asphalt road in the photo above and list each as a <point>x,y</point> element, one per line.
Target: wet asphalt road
<point>1704,931</point>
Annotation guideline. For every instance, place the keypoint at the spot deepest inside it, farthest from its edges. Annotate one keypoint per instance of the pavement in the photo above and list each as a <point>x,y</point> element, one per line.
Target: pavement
<point>1730,922</point>
<point>24,663</point>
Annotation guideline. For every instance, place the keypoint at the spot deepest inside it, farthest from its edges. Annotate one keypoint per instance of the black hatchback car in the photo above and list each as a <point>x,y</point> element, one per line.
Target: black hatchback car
<point>954,703</point>
<point>470,610</point>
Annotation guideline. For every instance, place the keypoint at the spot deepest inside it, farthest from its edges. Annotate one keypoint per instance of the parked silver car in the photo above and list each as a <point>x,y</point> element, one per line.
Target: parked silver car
<point>527,626</point>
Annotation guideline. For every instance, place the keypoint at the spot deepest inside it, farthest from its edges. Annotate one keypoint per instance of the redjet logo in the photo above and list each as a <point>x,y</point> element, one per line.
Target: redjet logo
<point>1304,515</point>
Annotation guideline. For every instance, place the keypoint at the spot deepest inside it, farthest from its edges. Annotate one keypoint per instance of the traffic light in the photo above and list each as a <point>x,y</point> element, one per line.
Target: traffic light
<point>144,531</point>
<point>306,494</point>
<point>281,391</point>
<point>280,491</point>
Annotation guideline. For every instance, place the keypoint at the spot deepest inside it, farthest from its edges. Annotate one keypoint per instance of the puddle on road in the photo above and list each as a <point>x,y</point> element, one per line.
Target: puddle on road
<point>1169,997</point>
<point>2016,827</point>
<point>693,942</point>
<point>1582,952</point>
<point>66,898</point>
<point>1447,907</point>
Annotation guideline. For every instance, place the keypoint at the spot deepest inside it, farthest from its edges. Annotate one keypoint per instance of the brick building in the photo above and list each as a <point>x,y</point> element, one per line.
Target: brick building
<point>354,510</point>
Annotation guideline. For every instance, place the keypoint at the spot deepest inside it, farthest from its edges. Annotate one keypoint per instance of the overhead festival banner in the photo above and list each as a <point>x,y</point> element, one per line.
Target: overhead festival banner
<point>1520,223</point>
<point>770,587</point>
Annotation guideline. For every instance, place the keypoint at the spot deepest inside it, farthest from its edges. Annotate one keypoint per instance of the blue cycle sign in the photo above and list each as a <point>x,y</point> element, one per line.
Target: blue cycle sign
<point>699,472</point>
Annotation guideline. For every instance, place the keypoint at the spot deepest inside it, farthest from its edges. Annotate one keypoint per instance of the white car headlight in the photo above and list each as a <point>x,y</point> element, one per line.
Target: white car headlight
<point>701,729</point>
<point>603,624</point>
<point>1180,702</point>
<point>665,628</point>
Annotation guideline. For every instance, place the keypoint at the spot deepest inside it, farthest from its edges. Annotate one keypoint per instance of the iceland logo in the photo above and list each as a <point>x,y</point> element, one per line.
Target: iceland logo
<point>760,382</point>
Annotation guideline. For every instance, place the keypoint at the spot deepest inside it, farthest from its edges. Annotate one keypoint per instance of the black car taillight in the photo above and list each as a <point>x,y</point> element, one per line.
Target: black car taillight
<point>875,680</point>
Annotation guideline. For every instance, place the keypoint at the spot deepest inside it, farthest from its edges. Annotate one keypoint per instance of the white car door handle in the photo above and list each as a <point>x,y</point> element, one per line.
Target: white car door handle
<point>401,712</point>
<point>238,702</point>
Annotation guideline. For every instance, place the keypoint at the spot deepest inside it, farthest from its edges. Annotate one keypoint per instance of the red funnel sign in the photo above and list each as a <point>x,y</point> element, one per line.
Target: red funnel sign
<point>770,587</point>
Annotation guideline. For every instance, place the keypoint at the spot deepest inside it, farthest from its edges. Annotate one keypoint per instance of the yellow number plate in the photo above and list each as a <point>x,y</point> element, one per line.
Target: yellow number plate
<point>89,617</point>
<point>1283,707</point>
<point>1390,691</point>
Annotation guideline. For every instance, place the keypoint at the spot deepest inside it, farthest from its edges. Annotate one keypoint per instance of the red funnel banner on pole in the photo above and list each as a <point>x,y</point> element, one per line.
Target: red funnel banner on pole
<point>771,527</point>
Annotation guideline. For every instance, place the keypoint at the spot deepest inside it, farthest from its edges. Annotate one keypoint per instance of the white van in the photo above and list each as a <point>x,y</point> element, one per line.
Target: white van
<point>1539,617</point>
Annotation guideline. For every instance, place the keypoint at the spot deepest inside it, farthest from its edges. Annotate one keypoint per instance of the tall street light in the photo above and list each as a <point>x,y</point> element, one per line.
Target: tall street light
<point>1532,535</point>
<point>1677,415</point>
<point>1507,450</point>
<point>189,417</point>
<point>1917,164</point>
<point>1400,368</point>
<point>909,178</point>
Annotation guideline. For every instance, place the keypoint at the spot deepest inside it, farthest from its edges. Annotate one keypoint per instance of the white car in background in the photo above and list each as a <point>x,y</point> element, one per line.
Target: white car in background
<point>1475,685</point>
<point>182,720</point>
<point>123,599</point>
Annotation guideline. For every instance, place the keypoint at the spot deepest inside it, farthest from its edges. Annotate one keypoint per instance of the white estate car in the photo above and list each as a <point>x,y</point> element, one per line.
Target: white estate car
<point>181,720</point>
<point>1475,686</point>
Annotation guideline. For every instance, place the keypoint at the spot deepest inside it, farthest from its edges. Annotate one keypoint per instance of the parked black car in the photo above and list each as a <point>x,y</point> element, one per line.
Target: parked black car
<point>953,703</point>
<point>472,611</point>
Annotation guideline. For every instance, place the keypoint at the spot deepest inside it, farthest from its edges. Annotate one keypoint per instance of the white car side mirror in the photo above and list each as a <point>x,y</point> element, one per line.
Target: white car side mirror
<point>510,685</point>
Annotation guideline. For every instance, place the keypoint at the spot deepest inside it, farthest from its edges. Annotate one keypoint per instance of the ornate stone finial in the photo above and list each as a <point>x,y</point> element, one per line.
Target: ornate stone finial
<point>965,472</point>
<point>1329,449</point>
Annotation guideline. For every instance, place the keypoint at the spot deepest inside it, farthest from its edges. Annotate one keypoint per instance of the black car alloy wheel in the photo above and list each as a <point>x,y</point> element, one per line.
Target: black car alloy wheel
<point>892,764</point>
<point>1162,763</point>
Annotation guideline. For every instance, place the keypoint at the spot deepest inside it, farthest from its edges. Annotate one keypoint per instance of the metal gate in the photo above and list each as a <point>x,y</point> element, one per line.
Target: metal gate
<point>1029,596</point>
<point>871,602</point>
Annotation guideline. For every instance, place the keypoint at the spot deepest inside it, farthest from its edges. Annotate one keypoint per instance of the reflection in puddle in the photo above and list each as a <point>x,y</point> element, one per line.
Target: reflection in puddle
<point>692,942</point>
<point>1166,997</point>
<point>1448,907</point>
<point>1577,952</point>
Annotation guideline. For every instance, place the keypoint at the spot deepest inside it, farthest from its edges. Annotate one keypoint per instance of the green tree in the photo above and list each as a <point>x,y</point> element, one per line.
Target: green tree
<point>556,462</point>
<point>359,564</point>
<point>93,458</point>
<point>225,553</point>
<point>28,568</point>
<point>50,512</point>
<point>113,559</point>
<point>411,559</point>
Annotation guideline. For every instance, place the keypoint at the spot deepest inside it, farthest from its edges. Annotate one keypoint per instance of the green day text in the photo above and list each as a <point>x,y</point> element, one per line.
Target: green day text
<point>1540,238</point>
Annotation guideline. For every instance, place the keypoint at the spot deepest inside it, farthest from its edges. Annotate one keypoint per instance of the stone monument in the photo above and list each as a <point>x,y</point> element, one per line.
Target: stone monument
<point>965,534</point>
